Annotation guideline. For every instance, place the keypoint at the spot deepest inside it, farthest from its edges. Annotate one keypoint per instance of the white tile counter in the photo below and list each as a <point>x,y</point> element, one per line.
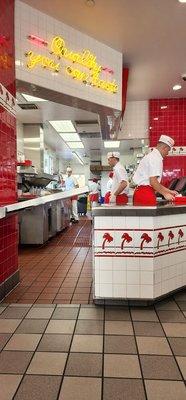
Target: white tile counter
<point>138,252</point>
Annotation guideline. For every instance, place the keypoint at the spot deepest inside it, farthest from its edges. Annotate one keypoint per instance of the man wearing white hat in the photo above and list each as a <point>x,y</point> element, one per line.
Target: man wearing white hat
<point>120,185</point>
<point>71,183</point>
<point>149,173</point>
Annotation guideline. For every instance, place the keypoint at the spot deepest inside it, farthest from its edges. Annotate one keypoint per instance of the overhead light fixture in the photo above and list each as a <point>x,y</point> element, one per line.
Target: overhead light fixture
<point>182,1</point>
<point>111,144</point>
<point>32,148</point>
<point>27,97</point>
<point>70,137</point>
<point>75,145</point>
<point>63,126</point>
<point>163,107</point>
<point>176,87</point>
<point>78,157</point>
<point>90,3</point>
<point>32,140</point>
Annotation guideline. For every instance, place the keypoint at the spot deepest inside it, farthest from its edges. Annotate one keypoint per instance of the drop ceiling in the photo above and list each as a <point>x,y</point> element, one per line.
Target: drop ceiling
<point>150,34</point>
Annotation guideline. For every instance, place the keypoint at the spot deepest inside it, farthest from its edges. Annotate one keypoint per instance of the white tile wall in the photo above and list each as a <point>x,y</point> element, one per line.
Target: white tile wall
<point>30,21</point>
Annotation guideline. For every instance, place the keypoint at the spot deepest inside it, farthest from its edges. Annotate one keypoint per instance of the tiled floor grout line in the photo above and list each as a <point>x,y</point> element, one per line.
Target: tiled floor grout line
<point>173,355</point>
<point>67,272</point>
<point>33,352</point>
<point>138,354</point>
<point>103,355</point>
<point>69,351</point>
<point>78,278</point>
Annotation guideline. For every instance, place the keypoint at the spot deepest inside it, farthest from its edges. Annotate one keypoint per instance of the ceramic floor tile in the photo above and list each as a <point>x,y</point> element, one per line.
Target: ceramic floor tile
<point>182,305</point>
<point>46,363</point>
<point>65,313</point>
<point>9,385</point>
<point>61,326</point>
<point>87,343</point>
<point>181,296</point>
<point>38,388</point>
<point>118,328</point>
<point>14,362</point>
<point>144,315</point>
<point>171,316</point>
<point>159,367</point>
<point>32,326</point>
<point>148,329</point>
<point>114,313</point>
<point>9,325</point>
<point>165,390</point>
<point>123,389</point>
<point>80,388</point>
<point>40,312</point>
<point>4,337</point>
<point>174,329</point>
<point>120,344</point>
<point>178,346</point>
<point>2,309</point>
<point>166,304</point>
<point>182,364</point>
<point>55,342</point>
<point>21,341</point>
<point>15,313</point>
<point>80,364</point>
<point>89,327</point>
<point>121,366</point>
<point>91,313</point>
<point>153,345</point>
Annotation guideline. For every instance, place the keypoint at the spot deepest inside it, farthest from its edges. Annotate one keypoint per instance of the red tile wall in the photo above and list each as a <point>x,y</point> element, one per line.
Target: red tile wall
<point>172,122</point>
<point>8,226</point>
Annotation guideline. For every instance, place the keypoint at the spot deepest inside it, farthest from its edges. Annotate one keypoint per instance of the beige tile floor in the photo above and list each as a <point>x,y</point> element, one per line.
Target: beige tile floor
<point>54,348</point>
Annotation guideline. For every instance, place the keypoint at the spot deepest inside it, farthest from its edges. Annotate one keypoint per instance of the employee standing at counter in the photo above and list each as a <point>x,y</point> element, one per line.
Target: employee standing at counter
<point>120,184</point>
<point>149,173</point>
<point>70,184</point>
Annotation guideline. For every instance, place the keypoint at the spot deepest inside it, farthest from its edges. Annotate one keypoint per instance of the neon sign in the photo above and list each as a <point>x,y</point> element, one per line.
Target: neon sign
<point>85,59</point>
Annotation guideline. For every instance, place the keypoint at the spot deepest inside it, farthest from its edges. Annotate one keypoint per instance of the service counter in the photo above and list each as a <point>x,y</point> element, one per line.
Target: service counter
<point>139,253</point>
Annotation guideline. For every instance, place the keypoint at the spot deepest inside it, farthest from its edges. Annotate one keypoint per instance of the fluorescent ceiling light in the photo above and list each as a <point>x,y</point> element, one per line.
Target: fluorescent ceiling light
<point>70,137</point>
<point>31,140</point>
<point>27,97</point>
<point>75,145</point>
<point>111,144</point>
<point>63,126</point>
<point>78,158</point>
<point>32,148</point>
<point>176,87</point>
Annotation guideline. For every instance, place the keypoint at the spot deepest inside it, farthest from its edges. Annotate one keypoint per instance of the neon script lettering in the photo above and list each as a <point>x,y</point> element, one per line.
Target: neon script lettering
<point>85,58</point>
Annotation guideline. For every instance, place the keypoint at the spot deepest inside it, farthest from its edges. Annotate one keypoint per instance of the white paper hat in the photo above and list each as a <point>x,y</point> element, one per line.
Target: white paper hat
<point>69,169</point>
<point>167,140</point>
<point>115,154</point>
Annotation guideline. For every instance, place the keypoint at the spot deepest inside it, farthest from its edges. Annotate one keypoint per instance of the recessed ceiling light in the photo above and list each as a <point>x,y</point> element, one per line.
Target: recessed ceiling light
<point>70,137</point>
<point>176,87</point>
<point>182,1</point>
<point>163,107</point>
<point>75,145</point>
<point>27,97</point>
<point>111,144</point>
<point>63,126</point>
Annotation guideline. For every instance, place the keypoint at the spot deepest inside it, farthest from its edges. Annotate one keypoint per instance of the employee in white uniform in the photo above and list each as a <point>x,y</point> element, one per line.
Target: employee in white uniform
<point>120,184</point>
<point>109,187</point>
<point>71,183</point>
<point>94,192</point>
<point>149,173</point>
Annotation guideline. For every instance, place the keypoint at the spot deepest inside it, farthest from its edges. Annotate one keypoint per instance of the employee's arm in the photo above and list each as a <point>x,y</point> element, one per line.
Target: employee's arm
<point>167,193</point>
<point>121,187</point>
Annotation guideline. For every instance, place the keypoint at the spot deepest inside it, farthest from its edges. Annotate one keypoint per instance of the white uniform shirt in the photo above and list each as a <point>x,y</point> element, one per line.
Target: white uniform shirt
<point>70,183</point>
<point>119,175</point>
<point>150,165</point>
<point>109,185</point>
<point>93,186</point>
